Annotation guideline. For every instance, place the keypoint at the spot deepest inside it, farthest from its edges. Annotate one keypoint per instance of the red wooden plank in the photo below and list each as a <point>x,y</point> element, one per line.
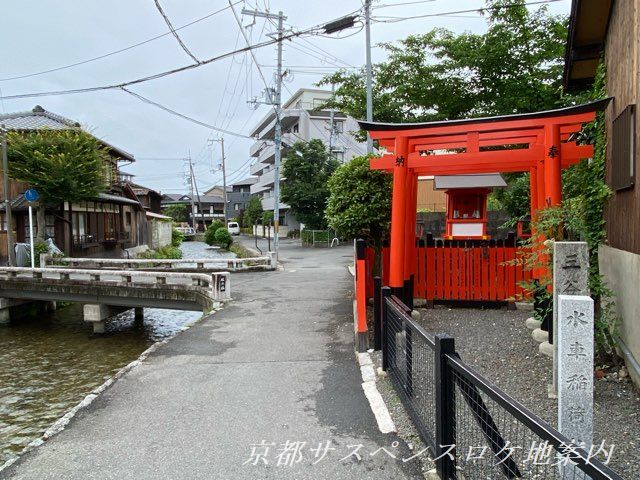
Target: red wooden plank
<point>361,300</point>
<point>469,255</point>
<point>484,273</point>
<point>440,272</point>
<point>477,269</point>
<point>464,284</point>
<point>447,273</point>
<point>422,273</point>
<point>500,273</point>
<point>431,273</point>
<point>493,292</point>
<point>452,280</point>
<point>511,273</point>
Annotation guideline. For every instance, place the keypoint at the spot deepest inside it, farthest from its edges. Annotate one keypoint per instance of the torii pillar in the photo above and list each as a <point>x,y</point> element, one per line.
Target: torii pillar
<point>399,216</point>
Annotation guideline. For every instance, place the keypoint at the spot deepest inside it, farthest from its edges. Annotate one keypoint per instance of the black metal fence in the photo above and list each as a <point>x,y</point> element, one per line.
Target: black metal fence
<point>473,429</point>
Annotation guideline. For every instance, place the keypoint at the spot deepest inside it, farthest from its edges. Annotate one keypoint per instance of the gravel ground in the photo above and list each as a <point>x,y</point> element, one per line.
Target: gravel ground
<point>498,344</point>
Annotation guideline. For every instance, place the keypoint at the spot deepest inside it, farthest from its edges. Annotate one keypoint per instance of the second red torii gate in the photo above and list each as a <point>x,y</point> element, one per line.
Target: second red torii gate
<point>541,143</point>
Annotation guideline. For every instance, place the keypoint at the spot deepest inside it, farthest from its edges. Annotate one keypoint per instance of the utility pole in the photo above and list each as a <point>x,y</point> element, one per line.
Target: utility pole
<point>7,200</point>
<point>193,208</point>
<point>277,103</point>
<point>367,27</point>
<point>193,183</point>
<point>224,181</point>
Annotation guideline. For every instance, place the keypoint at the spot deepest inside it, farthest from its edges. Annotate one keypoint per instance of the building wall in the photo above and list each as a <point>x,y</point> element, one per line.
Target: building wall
<point>236,197</point>
<point>620,260</point>
<point>159,233</point>
<point>430,199</point>
<point>621,271</point>
<point>622,62</point>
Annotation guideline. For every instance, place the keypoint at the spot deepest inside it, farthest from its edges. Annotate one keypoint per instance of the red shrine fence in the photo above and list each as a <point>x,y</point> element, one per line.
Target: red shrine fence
<point>461,270</point>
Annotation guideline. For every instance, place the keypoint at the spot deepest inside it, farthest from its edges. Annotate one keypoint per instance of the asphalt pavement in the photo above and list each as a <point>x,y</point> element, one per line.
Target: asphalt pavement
<point>266,388</point>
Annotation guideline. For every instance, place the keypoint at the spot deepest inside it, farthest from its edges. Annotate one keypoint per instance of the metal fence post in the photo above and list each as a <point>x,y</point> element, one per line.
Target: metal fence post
<point>377,312</point>
<point>445,407</point>
<point>385,294</point>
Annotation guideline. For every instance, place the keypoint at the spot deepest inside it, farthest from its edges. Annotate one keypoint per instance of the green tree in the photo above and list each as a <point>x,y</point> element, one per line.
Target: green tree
<point>307,168</point>
<point>62,165</point>
<point>360,203</point>
<point>515,67</point>
<point>253,211</point>
<point>178,212</point>
<point>267,216</point>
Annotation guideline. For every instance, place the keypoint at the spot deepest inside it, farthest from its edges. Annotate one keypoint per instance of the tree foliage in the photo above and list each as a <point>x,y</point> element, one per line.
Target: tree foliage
<point>360,202</point>
<point>62,165</point>
<point>307,168</point>
<point>223,237</point>
<point>178,212</point>
<point>515,67</point>
<point>253,212</point>
<point>210,234</point>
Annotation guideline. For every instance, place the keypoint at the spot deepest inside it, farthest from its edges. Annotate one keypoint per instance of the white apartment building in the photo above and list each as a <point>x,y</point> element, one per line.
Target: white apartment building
<point>302,120</point>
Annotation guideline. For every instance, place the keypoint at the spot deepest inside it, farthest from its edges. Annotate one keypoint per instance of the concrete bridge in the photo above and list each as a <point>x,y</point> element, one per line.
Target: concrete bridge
<point>191,265</point>
<point>105,293</point>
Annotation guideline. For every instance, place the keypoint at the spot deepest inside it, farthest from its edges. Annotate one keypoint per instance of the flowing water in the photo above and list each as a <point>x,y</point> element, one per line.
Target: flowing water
<point>50,363</point>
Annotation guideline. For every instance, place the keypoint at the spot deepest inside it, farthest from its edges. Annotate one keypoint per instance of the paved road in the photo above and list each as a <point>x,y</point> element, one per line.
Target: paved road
<point>275,366</point>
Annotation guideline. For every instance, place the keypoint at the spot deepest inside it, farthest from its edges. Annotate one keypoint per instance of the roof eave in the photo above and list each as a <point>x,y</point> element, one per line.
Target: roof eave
<point>597,105</point>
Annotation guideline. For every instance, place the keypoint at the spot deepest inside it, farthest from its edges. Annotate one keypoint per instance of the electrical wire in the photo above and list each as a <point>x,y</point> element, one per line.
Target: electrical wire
<point>181,115</point>
<point>388,19</point>
<point>161,74</point>
<point>100,57</point>
<point>376,7</point>
<point>174,33</point>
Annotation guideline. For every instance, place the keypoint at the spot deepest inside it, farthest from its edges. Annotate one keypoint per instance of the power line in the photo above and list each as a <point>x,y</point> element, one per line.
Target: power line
<point>181,115</point>
<point>388,19</point>
<point>164,73</point>
<point>100,57</point>
<point>246,39</point>
<point>375,7</point>
<point>174,33</point>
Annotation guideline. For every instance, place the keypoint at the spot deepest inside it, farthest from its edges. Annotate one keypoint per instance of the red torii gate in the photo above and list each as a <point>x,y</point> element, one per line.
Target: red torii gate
<point>541,143</point>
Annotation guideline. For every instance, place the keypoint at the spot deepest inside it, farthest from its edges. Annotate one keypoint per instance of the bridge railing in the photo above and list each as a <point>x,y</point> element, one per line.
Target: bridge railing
<point>227,264</point>
<point>216,284</point>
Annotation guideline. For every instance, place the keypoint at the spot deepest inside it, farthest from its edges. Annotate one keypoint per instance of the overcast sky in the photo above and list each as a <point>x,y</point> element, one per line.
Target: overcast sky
<point>45,34</point>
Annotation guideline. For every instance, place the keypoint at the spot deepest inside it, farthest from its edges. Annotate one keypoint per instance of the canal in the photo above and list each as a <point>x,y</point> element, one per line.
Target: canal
<point>50,363</point>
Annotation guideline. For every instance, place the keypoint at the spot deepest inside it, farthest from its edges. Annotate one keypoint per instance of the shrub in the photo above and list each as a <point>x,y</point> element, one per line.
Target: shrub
<point>210,234</point>
<point>39,248</point>
<point>223,237</point>
<point>176,238</point>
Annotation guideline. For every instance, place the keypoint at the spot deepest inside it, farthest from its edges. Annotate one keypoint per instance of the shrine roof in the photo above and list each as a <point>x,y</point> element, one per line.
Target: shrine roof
<point>595,106</point>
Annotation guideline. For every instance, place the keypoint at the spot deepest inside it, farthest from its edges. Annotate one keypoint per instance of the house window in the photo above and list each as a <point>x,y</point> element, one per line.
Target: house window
<point>50,226</point>
<point>79,227</point>
<point>623,164</point>
<point>296,128</point>
<point>339,126</point>
<point>236,206</point>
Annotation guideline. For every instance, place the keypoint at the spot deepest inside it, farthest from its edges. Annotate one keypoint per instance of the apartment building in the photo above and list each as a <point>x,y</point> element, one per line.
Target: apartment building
<point>303,119</point>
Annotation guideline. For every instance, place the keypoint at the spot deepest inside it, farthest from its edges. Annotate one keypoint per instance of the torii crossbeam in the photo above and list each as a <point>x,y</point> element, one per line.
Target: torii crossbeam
<point>541,143</point>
